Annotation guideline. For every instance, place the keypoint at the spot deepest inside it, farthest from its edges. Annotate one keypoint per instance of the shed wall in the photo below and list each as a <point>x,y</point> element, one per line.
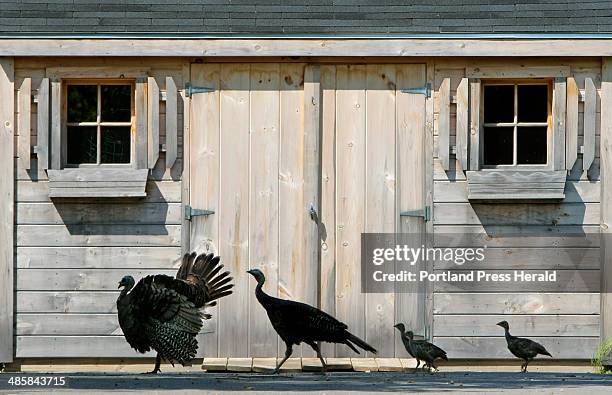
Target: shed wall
<point>71,253</point>
<point>566,323</point>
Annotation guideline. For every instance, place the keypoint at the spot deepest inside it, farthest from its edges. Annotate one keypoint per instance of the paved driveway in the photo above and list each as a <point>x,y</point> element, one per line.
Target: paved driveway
<point>442,382</point>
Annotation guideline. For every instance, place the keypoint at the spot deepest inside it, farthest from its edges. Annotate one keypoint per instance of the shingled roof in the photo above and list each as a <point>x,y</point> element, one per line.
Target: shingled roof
<point>305,16</point>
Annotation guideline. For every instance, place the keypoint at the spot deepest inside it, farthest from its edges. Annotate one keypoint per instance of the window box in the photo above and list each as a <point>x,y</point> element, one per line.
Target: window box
<point>97,183</point>
<point>516,184</point>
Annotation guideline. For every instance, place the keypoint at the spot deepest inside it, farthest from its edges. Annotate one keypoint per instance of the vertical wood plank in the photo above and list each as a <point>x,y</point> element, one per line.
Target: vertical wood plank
<point>350,204</point>
<point>606,198</point>
<point>204,186</point>
<point>380,192</point>
<point>410,193</point>
<point>24,103</point>
<point>311,194</point>
<point>444,123</point>
<point>590,119</point>
<point>571,132</point>
<point>140,143</point>
<point>475,122</point>
<point>328,197</point>
<point>171,122</point>
<point>463,123</point>
<point>186,162</point>
<point>42,125</point>
<point>558,116</point>
<point>263,211</point>
<point>7,127</point>
<point>234,206</point>
<point>56,125</point>
<point>152,122</point>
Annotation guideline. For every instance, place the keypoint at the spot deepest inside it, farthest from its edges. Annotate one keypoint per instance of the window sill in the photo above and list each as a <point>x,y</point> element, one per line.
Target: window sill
<point>516,185</point>
<point>97,183</point>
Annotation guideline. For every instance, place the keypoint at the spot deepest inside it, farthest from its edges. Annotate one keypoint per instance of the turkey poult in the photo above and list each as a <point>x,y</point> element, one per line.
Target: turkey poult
<point>522,348</point>
<point>421,349</point>
<point>164,313</point>
<point>297,322</point>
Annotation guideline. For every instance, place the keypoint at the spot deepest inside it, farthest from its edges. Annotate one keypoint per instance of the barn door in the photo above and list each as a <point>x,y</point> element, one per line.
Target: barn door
<point>254,162</point>
<point>373,171</point>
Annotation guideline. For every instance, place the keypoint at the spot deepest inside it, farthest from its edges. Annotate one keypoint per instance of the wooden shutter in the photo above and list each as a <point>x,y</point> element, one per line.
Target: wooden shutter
<point>590,119</point>
<point>571,124</point>
<point>140,149</point>
<point>42,124</point>
<point>24,107</point>
<point>171,122</point>
<point>475,121</point>
<point>55,143</point>
<point>152,122</point>
<point>444,123</point>
<point>558,129</point>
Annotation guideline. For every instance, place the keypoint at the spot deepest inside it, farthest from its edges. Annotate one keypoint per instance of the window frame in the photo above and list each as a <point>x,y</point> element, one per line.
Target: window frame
<point>99,82</point>
<point>515,82</point>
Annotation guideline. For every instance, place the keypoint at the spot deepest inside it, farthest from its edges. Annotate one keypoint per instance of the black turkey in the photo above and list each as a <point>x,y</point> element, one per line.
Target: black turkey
<point>522,348</point>
<point>422,350</point>
<point>297,322</point>
<point>164,313</point>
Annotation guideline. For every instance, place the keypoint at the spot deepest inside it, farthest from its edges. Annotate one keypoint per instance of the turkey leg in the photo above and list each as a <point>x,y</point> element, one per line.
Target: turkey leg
<point>157,364</point>
<point>288,353</point>
<point>315,347</point>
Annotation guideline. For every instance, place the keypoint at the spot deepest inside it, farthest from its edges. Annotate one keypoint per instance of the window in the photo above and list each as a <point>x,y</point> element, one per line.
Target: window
<point>99,123</point>
<point>516,124</point>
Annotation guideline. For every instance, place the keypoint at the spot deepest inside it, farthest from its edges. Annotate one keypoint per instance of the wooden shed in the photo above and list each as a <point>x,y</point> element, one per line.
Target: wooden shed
<point>130,134</point>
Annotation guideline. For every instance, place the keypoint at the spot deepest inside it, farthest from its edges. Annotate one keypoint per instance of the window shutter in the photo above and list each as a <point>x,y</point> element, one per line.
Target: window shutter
<point>24,107</point>
<point>42,124</point>
<point>463,122</point>
<point>590,119</point>
<point>171,122</point>
<point>558,115</point>
<point>56,146</point>
<point>140,146</point>
<point>475,121</point>
<point>444,123</point>
<point>152,122</point>
<point>571,124</point>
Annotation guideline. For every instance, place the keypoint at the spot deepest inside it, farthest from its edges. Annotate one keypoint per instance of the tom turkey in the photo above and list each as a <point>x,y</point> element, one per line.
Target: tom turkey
<point>165,314</point>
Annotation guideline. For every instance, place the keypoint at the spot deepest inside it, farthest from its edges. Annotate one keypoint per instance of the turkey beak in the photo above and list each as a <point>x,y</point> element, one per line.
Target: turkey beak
<point>250,272</point>
<point>499,324</point>
<point>120,285</point>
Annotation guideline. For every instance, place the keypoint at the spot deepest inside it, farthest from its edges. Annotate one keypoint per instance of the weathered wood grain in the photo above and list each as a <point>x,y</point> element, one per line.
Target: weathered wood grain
<point>42,124</point>
<point>444,123</point>
<point>24,108</point>
<point>204,170</point>
<point>516,214</point>
<point>350,195</point>
<point>412,117</point>
<point>495,347</point>
<point>109,214</point>
<point>516,303</point>
<point>475,123</point>
<point>380,209</point>
<point>519,184</point>
<point>7,153</point>
<point>590,122</point>
<point>97,302</point>
<point>171,122</point>
<point>327,216</point>
<point>78,279</point>
<point>98,235</point>
<point>99,257</point>
<point>234,205</point>
<point>68,324</point>
<point>517,71</point>
<point>463,122</point>
<point>152,122</point>
<point>263,201</point>
<point>520,325</point>
<point>55,139</point>
<point>606,198</point>
<point>571,132</point>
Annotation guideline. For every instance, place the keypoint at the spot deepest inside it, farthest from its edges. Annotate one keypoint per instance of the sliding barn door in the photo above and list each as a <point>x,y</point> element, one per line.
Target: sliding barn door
<point>297,161</point>
<point>373,158</point>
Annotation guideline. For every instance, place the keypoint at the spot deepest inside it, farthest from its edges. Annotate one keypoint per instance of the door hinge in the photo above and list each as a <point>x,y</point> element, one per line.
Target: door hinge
<point>191,212</point>
<point>425,213</point>
<point>423,90</point>
<point>190,89</point>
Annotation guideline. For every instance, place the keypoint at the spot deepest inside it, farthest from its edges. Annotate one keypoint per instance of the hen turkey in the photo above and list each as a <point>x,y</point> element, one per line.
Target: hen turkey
<point>164,313</point>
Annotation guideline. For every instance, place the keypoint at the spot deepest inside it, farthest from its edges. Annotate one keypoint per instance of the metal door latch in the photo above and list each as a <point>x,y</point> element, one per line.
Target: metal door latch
<point>313,213</point>
<point>191,212</point>
<point>424,213</point>
<point>190,89</point>
<point>423,90</point>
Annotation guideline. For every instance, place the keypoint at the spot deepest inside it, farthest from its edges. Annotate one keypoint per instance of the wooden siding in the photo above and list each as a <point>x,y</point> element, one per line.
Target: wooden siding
<point>71,252</point>
<point>464,323</point>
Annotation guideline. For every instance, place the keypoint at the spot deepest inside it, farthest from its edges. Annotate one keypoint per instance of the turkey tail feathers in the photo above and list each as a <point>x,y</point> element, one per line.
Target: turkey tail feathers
<point>358,342</point>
